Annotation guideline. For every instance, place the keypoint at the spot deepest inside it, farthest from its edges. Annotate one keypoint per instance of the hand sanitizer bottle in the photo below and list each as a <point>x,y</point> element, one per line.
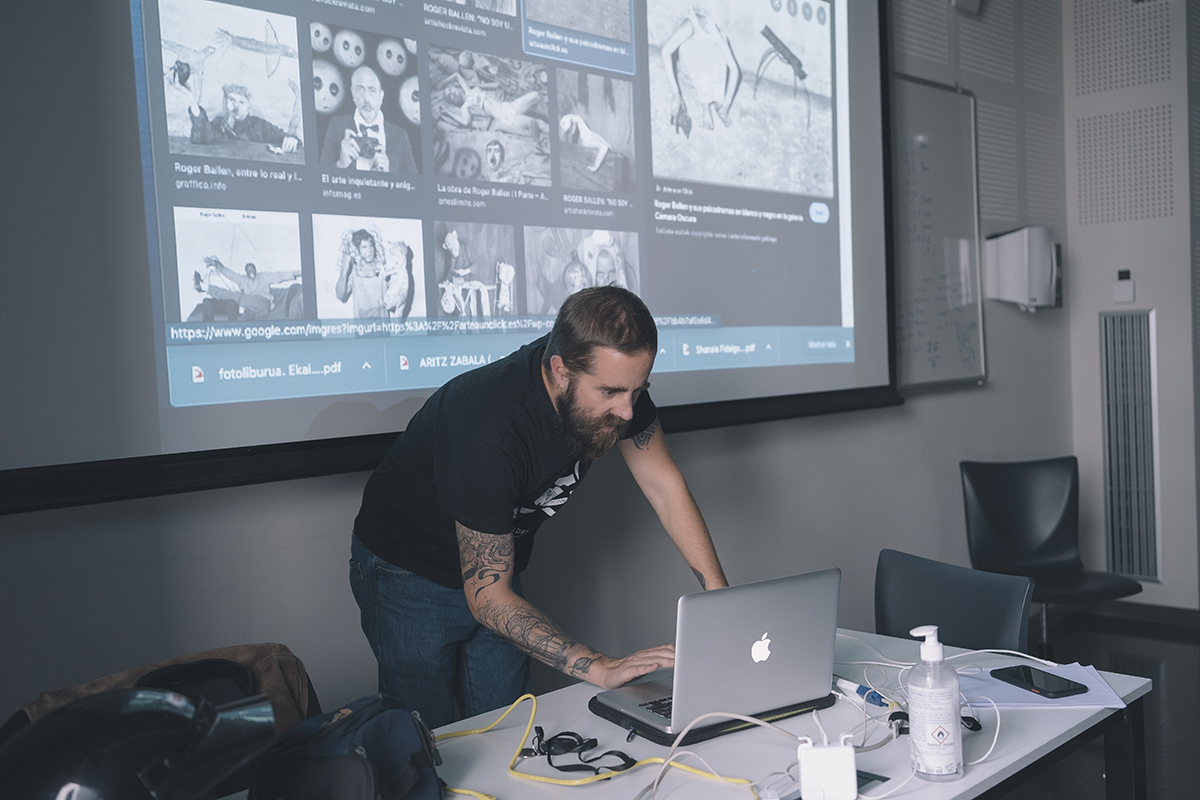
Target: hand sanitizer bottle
<point>933,721</point>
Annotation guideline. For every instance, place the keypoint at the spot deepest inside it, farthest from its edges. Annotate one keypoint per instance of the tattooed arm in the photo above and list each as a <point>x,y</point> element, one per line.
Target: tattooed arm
<point>487,569</point>
<point>660,480</point>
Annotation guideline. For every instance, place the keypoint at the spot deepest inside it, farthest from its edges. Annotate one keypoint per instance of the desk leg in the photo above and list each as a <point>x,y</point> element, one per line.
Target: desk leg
<point>1125,756</point>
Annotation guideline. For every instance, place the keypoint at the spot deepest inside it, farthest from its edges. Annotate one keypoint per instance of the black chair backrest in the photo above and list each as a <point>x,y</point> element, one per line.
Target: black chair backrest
<point>972,609</point>
<point>1023,516</point>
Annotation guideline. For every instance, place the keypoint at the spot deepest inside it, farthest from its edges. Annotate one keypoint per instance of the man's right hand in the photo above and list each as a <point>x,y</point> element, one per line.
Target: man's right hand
<point>609,673</point>
<point>350,152</point>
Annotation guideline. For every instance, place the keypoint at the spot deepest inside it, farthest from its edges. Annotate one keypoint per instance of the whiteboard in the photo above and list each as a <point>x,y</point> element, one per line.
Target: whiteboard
<point>939,311</point>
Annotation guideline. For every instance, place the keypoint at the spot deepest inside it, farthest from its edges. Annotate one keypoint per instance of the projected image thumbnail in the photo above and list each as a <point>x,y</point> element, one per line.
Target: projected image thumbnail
<point>367,97</point>
<point>491,118</point>
<point>232,81</point>
<point>238,265</point>
<point>608,18</point>
<point>561,261</point>
<point>742,97</point>
<point>595,130</point>
<point>476,269</point>
<point>498,6</point>
<point>368,267</point>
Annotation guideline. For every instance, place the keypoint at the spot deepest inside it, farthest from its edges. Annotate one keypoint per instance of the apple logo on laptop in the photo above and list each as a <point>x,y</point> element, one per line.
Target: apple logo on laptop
<point>761,650</point>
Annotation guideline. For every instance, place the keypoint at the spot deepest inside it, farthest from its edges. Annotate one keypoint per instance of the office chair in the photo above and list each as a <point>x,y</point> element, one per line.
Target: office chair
<point>972,609</point>
<point>1023,519</point>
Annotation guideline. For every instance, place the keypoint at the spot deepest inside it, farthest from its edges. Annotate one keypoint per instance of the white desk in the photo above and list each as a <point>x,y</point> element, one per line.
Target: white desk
<point>1030,740</point>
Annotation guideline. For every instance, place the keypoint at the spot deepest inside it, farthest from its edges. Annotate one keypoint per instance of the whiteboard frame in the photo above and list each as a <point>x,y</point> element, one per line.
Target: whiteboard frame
<point>897,187</point>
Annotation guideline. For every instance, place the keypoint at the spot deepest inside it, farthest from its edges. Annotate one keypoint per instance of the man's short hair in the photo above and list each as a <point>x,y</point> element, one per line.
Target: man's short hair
<point>361,235</point>
<point>235,88</point>
<point>600,316</point>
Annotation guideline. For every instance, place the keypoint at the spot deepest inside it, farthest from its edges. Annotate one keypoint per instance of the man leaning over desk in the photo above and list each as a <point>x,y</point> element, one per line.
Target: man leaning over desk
<point>448,519</point>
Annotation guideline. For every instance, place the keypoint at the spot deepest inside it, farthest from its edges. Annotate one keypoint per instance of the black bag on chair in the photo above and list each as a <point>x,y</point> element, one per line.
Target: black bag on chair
<point>365,750</point>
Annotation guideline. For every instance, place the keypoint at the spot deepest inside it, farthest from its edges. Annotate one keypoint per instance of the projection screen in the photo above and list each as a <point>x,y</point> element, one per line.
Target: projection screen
<point>318,211</point>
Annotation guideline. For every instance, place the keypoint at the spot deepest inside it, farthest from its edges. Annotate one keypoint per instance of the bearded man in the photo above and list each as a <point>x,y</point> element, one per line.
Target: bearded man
<point>448,520</point>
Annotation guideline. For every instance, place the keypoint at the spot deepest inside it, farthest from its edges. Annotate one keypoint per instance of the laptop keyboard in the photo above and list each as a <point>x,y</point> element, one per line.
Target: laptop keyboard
<point>661,706</point>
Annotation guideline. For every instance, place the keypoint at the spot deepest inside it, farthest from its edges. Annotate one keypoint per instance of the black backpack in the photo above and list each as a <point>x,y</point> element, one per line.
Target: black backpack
<point>366,750</point>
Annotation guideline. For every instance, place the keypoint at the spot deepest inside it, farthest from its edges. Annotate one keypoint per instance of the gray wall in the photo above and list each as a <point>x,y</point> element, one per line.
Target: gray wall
<point>95,590</point>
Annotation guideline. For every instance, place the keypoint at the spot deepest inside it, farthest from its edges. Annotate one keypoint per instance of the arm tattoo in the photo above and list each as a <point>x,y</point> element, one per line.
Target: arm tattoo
<point>581,666</point>
<point>642,440</point>
<point>486,560</point>
<point>700,577</point>
<point>533,632</point>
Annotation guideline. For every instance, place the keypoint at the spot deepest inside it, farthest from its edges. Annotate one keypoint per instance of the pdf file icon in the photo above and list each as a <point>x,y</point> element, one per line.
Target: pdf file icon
<point>403,362</point>
<point>197,375</point>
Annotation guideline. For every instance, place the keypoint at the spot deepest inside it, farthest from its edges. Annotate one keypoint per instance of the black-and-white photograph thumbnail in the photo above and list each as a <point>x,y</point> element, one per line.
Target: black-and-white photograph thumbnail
<point>232,81</point>
<point>595,131</point>
<point>491,117</point>
<point>612,19</point>
<point>368,267</point>
<point>740,94</point>
<point>561,261</point>
<point>368,100</point>
<point>238,265</point>
<point>508,7</point>
<point>476,269</point>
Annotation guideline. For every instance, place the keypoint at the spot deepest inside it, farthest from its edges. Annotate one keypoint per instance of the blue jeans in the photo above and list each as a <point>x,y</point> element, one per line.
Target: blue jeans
<point>431,650</point>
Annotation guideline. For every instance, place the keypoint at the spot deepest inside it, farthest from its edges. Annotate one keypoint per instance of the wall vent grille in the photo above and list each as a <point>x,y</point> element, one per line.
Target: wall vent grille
<point>1119,43</point>
<point>1127,375</point>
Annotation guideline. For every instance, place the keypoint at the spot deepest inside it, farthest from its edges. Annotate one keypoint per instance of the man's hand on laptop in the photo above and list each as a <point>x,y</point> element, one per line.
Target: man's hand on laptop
<point>487,563</point>
<point>609,673</point>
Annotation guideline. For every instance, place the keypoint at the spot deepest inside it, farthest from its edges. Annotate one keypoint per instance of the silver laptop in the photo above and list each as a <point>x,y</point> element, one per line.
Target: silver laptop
<point>763,649</point>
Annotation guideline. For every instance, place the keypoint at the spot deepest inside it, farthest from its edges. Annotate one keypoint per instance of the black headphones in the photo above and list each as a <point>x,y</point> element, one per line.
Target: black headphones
<point>561,744</point>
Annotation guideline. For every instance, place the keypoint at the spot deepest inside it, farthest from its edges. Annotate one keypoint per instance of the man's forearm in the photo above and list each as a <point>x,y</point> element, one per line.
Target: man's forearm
<point>487,562</point>
<point>487,568</point>
<point>230,274</point>
<point>663,484</point>
<point>533,632</point>
<point>689,533</point>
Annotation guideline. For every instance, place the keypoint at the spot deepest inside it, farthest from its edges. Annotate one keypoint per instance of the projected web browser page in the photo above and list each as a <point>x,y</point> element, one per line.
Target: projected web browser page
<point>374,196</point>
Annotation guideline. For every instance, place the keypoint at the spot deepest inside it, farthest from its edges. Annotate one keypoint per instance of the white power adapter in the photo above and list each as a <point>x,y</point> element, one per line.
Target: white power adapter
<point>827,772</point>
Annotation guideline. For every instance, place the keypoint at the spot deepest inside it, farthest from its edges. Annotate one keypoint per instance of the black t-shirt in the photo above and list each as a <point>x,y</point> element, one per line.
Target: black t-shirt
<point>483,451</point>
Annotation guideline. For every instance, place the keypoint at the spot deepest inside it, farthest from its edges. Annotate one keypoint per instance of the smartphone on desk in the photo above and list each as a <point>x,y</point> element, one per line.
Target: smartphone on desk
<point>1038,681</point>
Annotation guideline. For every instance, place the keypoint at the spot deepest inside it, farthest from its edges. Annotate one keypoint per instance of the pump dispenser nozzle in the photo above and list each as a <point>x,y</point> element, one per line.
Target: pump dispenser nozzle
<point>931,648</point>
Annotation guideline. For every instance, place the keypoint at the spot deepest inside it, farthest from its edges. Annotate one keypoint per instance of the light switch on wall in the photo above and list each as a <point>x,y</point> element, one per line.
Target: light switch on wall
<point>1123,290</point>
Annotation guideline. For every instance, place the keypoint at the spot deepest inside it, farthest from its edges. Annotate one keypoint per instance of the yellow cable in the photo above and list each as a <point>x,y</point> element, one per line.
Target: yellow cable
<point>575,781</point>
<point>478,795</point>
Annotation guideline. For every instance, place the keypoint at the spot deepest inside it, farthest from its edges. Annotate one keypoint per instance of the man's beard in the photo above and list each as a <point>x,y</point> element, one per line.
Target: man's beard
<point>586,437</point>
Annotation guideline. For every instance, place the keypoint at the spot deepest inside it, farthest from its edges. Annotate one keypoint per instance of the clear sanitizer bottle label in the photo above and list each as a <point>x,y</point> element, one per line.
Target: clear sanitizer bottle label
<point>933,730</point>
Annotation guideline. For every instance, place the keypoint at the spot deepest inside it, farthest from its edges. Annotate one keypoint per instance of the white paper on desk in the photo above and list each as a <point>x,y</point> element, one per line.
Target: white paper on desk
<point>1099,693</point>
